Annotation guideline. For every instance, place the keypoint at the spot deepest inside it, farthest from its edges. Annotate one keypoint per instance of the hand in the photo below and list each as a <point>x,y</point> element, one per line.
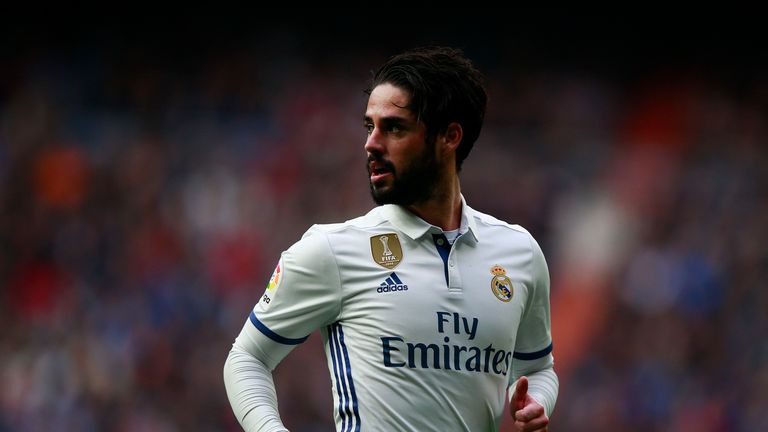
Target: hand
<point>528,414</point>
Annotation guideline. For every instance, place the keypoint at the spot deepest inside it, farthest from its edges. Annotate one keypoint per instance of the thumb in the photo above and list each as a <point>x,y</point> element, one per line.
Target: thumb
<point>521,390</point>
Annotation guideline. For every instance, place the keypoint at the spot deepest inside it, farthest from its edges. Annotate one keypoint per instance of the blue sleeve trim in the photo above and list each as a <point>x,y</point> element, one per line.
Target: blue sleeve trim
<point>272,335</point>
<point>533,355</point>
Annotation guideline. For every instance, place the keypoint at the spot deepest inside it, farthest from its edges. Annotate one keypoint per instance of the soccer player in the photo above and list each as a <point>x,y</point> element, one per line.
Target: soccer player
<point>430,311</point>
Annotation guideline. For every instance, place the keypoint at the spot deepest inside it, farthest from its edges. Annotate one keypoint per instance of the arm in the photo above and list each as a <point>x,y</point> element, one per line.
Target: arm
<point>542,386</point>
<point>534,392</point>
<point>251,392</point>
<point>302,295</point>
<point>529,414</point>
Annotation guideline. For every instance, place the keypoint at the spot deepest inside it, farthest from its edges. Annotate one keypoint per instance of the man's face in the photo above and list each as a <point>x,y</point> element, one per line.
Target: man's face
<point>402,165</point>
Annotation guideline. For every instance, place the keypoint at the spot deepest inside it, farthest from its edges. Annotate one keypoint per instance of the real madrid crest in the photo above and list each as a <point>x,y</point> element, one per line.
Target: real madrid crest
<point>501,284</point>
<point>386,250</point>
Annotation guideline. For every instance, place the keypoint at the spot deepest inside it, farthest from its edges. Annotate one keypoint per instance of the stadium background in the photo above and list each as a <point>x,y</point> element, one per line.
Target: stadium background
<point>152,170</point>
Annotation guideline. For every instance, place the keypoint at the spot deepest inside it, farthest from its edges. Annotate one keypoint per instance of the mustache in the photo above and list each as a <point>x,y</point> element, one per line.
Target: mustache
<point>381,162</point>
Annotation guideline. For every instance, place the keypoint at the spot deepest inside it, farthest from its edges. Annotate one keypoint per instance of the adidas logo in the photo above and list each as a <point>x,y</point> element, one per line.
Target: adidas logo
<point>392,284</point>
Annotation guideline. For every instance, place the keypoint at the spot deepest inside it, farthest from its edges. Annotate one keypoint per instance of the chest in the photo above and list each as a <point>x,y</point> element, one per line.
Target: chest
<point>468,294</point>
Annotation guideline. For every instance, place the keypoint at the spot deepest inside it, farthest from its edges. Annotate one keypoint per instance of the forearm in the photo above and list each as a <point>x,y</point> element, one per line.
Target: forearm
<point>543,386</point>
<point>251,392</point>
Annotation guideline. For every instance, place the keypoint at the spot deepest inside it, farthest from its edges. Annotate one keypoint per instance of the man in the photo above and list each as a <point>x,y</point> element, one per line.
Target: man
<point>429,310</point>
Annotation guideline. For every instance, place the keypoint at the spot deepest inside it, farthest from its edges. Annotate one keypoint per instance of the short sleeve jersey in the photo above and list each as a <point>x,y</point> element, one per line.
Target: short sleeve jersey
<point>419,334</point>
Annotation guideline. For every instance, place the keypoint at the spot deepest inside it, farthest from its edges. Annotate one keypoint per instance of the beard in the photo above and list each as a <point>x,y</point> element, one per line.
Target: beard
<point>412,183</point>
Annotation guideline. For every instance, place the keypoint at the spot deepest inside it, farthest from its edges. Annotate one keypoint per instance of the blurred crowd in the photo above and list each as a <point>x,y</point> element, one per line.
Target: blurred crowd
<point>144,204</point>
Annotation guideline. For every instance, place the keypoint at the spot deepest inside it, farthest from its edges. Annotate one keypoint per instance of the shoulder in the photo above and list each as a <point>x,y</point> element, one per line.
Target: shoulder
<point>496,227</point>
<point>337,244</point>
<point>330,238</point>
<point>515,238</point>
<point>364,223</point>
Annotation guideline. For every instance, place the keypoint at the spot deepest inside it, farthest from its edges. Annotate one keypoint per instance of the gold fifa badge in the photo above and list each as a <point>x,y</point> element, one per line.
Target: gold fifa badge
<point>501,284</point>
<point>386,250</point>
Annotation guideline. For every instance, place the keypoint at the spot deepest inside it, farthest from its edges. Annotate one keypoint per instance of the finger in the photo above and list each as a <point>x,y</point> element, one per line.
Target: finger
<point>537,425</point>
<point>518,398</point>
<point>529,412</point>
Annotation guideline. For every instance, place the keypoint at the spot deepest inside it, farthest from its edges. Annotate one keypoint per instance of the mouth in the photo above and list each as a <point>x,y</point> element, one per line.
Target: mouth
<point>379,170</point>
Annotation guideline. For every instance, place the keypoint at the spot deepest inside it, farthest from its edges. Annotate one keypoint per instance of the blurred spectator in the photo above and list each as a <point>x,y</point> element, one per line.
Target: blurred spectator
<point>144,203</point>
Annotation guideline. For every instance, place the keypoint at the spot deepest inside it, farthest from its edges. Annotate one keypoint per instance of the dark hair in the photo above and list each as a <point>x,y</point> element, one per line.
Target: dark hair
<point>444,87</point>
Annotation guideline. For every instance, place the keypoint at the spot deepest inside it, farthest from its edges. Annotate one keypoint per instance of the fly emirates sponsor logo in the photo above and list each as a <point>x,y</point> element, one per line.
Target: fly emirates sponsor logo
<point>398,352</point>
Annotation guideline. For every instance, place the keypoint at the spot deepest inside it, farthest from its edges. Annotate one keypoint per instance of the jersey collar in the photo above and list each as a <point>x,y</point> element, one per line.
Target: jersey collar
<point>415,227</point>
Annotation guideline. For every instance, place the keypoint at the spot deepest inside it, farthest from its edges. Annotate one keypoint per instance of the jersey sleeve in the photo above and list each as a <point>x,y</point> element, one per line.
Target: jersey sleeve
<point>533,348</point>
<point>534,336</point>
<point>303,294</point>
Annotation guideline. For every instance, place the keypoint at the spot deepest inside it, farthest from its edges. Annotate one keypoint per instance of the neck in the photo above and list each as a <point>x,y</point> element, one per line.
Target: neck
<point>443,208</point>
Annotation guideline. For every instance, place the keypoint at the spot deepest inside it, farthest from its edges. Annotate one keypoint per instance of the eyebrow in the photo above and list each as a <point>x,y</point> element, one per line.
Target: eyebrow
<point>391,120</point>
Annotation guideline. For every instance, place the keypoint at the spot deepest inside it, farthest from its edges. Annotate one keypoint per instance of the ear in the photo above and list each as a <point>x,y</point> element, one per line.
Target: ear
<point>451,139</point>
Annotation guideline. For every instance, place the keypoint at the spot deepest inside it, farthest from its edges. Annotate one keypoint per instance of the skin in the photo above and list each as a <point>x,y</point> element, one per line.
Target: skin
<point>397,143</point>
<point>399,159</point>
<point>528,414</point>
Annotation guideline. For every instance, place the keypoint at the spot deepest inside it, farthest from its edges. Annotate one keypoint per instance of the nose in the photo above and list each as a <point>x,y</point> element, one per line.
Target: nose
<point>374,144</point>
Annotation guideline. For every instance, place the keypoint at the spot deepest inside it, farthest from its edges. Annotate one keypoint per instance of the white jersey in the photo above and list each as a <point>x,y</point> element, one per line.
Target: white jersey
<point>419,334</point>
